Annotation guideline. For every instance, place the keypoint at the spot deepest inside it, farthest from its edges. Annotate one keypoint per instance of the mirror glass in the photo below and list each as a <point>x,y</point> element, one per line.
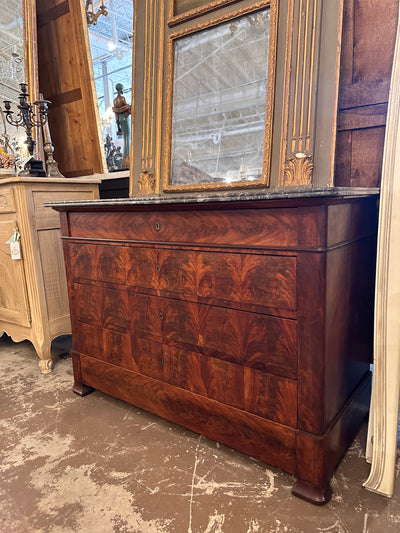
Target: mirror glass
<point>219,102</point>
<point>12,73</point>
<point>111,41</point>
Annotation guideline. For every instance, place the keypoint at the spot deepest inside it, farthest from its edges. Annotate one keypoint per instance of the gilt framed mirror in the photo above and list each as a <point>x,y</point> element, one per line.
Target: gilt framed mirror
<point>220,88</point>
<point>18,64</point>
<point>234,94</point>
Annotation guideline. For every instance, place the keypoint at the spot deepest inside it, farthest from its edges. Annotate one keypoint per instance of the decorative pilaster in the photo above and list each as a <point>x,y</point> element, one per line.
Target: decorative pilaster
<point>152,96</point>
<point>298,170</point>
<point>299,106</point>
<point>146,182</point>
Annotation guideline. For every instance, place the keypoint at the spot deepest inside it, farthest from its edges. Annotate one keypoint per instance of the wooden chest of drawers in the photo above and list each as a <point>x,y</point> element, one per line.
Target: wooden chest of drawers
<point>248,322</point>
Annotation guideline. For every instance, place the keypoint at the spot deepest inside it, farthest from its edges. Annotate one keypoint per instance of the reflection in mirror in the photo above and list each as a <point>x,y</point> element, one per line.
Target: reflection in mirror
<point>12,73</point>
<point>219,102</point>
<point>111,40</point>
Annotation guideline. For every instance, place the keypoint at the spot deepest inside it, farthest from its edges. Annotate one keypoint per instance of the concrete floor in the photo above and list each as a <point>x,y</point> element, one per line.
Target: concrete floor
<point>98,465</point>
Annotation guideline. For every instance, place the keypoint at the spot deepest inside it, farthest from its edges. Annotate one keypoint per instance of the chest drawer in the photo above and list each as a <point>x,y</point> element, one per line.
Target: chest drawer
<point>240,227</point>
<point>244,279</point>
<point>251,339</point>
<point>266,395</point>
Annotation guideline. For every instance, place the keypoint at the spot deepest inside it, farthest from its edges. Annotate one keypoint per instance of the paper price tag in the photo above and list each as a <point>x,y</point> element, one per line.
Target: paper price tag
<point>15,250</point>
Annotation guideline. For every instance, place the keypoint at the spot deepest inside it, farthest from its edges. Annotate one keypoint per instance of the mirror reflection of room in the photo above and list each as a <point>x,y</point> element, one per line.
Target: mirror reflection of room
<point>12,140</point>
<point>111,39</point>
<point>219,102</point>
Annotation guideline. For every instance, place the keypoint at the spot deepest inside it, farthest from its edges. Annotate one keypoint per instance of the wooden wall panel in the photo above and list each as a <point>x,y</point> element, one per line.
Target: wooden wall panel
<point>65,78</point>
<point>369,33</point>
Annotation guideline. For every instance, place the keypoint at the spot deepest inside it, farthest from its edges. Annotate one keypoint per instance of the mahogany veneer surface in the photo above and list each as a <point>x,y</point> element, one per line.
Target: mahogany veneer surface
<point>251,324</point>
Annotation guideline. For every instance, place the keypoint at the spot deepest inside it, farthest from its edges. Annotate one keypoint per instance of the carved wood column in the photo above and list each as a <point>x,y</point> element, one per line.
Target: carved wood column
<point>386,384</point>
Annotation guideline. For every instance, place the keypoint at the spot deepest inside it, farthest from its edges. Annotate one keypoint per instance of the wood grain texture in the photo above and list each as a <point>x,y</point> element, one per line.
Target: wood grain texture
<point>259,341</point>
<point>244,227</point>
<point>65,78</point>
<point>368,116</point>
<point>254,280</point>
<point>366,66</point>
<point>213,419</point>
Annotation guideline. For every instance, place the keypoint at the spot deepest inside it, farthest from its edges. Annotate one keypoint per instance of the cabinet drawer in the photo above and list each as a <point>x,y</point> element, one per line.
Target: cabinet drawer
<point>266,395</point>
<point>243,279</point>
<point>251,339</point>
<point>262,280</point>
<point>110,346</point>
<point>243,227</point>
<point>255,340</point>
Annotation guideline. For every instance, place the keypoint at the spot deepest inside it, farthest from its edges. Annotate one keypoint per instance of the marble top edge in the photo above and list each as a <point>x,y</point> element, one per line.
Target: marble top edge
<point>231,196</point>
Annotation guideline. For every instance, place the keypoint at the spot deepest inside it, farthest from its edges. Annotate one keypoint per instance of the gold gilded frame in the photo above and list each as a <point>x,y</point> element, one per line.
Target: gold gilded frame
<point>196,12</point>
<point>272,4</point>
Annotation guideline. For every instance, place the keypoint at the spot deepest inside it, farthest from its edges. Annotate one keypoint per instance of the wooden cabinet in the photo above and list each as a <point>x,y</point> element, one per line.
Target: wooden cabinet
<point>250,322</point>
<point>33,292</point>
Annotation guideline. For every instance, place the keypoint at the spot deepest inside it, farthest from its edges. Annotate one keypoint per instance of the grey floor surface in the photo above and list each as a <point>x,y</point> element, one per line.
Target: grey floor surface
<point>96,464</point>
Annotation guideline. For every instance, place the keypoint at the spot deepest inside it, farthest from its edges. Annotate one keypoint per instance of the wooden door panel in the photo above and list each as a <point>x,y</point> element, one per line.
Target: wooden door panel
<point>65,78</point>
<point>14,304</point>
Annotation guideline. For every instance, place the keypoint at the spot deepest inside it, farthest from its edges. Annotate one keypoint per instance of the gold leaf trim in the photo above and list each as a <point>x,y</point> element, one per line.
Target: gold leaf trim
<point>146,182</point>
<point>298,170</point>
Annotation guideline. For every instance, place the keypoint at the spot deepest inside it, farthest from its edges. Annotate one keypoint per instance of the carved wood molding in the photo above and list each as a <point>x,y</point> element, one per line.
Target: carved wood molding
<point>299,106</point>
<point>146,182</point>
<point>191,13</point>
<point>383,424</point>
<point>194,27</point>
<point>298,170</point>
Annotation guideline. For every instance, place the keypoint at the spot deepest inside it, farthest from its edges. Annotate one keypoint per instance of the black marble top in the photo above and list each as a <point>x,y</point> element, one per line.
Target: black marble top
<point>213,197</point>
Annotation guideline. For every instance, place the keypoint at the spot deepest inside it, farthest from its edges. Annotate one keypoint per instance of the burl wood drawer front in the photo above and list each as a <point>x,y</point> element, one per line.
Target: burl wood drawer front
<point>245,227</point>
<point>259,280</point>
<point>255,340</point>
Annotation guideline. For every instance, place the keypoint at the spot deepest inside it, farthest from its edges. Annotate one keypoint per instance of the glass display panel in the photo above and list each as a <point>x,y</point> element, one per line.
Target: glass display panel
<point>219,102</point>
